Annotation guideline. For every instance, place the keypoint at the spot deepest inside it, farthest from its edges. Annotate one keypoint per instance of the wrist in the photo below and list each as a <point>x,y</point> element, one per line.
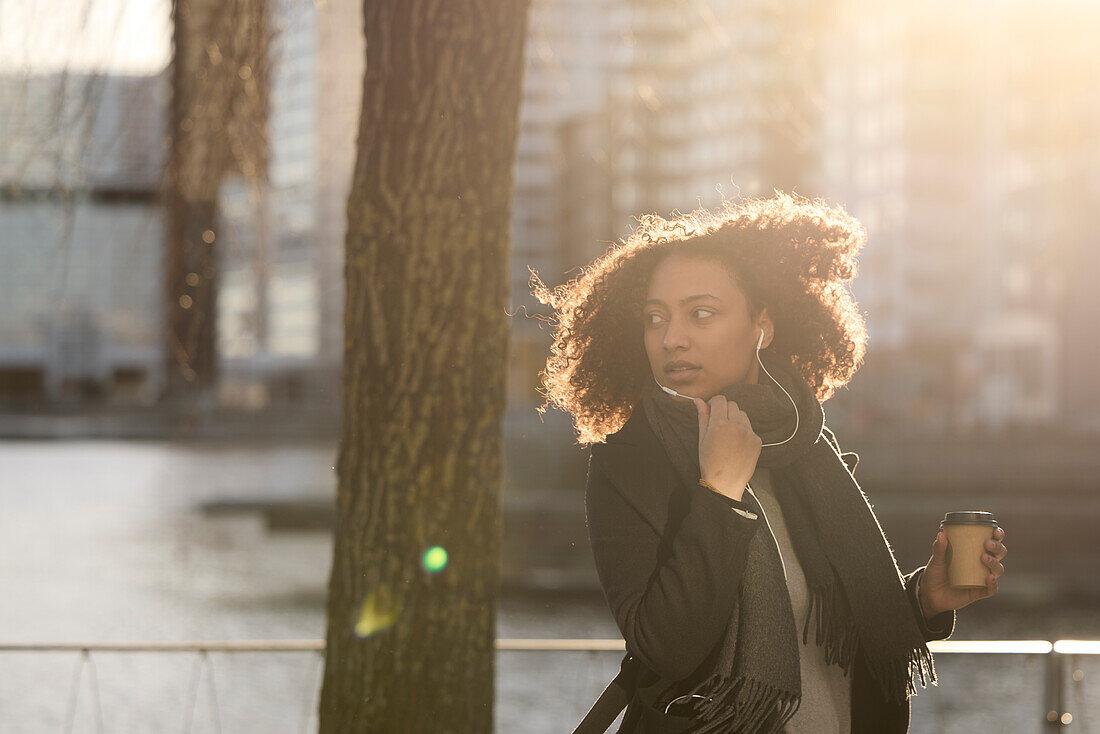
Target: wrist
<point>732,494</point>
<point>925,606</point>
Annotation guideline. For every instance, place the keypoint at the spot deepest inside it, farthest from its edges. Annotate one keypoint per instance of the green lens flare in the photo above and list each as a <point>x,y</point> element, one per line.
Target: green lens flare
<point>435,558</point>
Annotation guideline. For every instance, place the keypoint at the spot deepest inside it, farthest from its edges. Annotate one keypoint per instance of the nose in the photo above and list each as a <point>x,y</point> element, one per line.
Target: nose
<point>675,335</point>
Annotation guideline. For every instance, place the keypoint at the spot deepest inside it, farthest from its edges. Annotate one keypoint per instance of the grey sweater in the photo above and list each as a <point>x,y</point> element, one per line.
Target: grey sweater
<point>826,691</point>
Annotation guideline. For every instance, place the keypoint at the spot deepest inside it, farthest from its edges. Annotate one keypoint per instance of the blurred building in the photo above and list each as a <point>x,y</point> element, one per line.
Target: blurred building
<point>637,106</point>
<point>280,307</point>
<point>970,149</point>
<point>81,240</point>
<point>561,209</point>
<point>974,168</point>
<point>711,100</point>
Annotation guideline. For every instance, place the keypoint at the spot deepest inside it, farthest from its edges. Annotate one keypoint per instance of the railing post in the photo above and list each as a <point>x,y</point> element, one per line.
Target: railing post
<point>1056,717</point>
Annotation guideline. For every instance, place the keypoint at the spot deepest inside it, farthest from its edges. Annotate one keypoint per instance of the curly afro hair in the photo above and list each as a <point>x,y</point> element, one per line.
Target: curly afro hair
<point>787,253</point>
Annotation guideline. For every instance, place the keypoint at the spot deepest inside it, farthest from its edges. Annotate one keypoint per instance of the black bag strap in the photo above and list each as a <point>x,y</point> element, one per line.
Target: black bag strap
<point>613,700</point>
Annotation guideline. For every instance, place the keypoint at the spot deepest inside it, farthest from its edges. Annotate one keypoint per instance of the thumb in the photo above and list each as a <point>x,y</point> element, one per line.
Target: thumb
<point>939,550</point>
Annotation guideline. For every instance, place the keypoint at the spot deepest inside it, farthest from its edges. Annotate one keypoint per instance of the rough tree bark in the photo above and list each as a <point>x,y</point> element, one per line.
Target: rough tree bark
<point>424,370</point>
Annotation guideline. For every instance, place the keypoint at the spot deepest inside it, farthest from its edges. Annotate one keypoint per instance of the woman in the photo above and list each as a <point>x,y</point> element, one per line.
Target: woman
<point>740,559</point>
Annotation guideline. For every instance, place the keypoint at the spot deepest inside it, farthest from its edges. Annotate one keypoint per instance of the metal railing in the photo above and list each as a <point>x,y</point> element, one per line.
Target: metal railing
<point>1061,656</point>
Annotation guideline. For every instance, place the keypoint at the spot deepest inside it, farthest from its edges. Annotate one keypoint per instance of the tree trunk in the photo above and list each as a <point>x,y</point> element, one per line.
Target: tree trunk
<point>216,126</point>
<point>411,649</point>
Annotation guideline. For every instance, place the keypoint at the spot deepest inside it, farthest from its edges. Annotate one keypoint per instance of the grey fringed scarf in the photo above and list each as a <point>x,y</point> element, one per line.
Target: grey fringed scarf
<point>755,685</point>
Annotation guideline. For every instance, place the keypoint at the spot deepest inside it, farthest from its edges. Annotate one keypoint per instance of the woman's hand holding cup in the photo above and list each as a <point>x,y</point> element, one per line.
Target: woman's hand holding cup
<point>728,447</point>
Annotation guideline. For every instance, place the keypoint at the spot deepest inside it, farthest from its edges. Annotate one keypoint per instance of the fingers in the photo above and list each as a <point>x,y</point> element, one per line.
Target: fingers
<point>718,409</point>
<point>704,415</point>
<point>997,550</point>
<point>721,408</point>
<point>736,414</point>
<point>984,593</point>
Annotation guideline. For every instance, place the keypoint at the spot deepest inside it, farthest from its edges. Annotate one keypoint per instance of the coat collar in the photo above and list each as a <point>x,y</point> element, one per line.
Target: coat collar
<point>636,430</point>
<point>640,469</point>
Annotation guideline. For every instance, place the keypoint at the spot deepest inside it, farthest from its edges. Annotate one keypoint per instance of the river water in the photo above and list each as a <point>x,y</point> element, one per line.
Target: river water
<point>104,541</point>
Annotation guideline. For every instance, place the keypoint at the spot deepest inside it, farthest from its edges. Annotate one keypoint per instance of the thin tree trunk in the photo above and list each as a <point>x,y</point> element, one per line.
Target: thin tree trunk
<point>216,126</point>
<point>410,649</point>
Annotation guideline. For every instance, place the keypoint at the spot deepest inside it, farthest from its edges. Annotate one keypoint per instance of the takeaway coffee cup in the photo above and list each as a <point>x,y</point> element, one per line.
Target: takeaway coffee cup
<point>966,535</point>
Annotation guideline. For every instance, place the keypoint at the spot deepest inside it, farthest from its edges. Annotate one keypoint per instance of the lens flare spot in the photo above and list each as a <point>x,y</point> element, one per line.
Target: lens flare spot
<point>435,558</point>
<point>377,612</point>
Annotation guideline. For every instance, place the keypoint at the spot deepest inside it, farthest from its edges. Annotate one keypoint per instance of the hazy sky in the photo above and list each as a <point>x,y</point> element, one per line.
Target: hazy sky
<point>117,35</point>
<point>134,35</point>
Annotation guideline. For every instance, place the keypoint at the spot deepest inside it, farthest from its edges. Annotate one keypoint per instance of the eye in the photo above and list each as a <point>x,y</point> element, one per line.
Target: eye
<point>649,316</point>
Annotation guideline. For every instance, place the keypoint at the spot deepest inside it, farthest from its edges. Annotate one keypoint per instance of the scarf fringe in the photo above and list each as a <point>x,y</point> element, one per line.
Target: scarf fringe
<point>891,673</point>
<point>743,706</point>
<point>897,677</point>
<point>840,642</point>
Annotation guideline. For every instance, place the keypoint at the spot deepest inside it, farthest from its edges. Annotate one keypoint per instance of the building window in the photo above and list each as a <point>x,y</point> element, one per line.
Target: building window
<point>294,311</point>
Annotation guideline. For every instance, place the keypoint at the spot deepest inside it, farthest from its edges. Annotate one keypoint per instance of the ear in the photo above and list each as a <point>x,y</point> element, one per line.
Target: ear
<point>764,323</point>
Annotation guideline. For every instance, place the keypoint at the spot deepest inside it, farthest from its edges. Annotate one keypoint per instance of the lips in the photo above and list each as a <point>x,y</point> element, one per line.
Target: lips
<point>679,364</point>
<point>682,374</point>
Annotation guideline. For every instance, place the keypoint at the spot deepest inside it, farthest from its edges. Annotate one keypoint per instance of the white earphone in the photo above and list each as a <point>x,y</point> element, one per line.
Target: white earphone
<point>759,346</point>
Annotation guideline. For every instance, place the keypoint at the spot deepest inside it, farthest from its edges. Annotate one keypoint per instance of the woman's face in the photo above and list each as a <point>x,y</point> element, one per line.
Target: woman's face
<point>695,314</point>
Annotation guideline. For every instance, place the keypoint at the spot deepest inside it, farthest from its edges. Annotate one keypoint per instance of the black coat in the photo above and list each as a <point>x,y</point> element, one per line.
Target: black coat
<point>671,589</point>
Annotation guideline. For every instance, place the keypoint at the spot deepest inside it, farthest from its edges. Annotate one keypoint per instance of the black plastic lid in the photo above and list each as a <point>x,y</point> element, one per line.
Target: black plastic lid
<point>969,517</point>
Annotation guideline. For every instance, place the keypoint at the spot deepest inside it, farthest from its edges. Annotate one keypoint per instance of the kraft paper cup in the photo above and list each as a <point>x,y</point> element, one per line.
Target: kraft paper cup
<point>966,535</point>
